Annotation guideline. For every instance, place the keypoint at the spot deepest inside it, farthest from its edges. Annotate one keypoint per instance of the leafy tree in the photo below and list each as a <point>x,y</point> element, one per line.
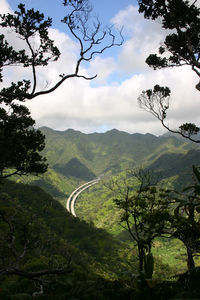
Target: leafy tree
<point>149,211</point>
<point>28,25</point>
<point>181,47</point>
<point>20,143</point>
<point>143,213</point>
<point>183,44</point>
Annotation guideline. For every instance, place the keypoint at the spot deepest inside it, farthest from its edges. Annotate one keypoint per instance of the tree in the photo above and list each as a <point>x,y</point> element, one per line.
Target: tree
<point>27,24</point>
<point>156,101</point>
<point>184,219</point>
<point>181,47</point>
<point>149,211</point>
<point>143,213</point>
<point>183,44</point>
<point>20,143</point>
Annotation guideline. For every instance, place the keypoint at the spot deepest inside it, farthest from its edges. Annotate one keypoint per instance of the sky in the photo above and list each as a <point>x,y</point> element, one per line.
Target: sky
<point>110,100</point>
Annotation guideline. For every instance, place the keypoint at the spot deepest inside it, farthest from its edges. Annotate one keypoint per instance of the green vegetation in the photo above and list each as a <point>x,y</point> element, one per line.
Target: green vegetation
<point>112,151</point>
<point>181,21</point>
<point>76,169</point>
<point>99,229</point>
<point>135,232</point>
<point>49,236</point>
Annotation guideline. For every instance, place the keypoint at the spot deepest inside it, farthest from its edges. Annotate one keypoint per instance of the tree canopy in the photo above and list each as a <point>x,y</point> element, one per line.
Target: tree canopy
<point>181,46</point>
<point>143,213</point>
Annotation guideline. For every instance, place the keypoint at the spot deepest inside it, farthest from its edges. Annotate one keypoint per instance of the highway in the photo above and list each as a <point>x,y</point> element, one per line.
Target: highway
<point>73,196</point>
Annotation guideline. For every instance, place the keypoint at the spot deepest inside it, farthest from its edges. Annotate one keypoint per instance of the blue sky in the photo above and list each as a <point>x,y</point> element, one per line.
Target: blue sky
<point>109,101</point>
<point>106,9</point>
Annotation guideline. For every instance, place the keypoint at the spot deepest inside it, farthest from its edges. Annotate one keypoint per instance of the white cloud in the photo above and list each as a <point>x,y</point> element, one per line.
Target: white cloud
<point>4,7</point>
<point>197,2</point>
<point>103,68</point>
<point>145,36</point>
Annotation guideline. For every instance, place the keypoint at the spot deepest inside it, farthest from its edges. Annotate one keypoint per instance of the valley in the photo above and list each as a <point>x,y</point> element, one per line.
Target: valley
<point>79,208</point>
<point>75,158</point>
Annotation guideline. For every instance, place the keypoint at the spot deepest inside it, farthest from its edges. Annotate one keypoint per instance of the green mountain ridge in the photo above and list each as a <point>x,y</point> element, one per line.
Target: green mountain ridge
<point>75,158</point>
<point>111,151</point>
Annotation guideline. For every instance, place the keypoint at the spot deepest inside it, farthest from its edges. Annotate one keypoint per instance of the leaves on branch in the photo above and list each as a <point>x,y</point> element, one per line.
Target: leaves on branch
<point>183,44</point>
<point>156,101</point>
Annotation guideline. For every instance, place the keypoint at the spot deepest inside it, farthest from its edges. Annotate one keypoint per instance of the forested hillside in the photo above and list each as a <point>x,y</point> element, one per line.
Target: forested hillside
<point>75,158</point>
<point>49,237</point>
<point>111,152</point>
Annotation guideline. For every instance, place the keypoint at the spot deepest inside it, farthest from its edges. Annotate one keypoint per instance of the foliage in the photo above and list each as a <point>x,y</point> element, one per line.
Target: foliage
<point>97,270</point>
<point>182,18</point>
<point>29,24</point>
<point>185,220</point>
<point>20,143</point>
<point>143,213</point>
<point>181,47</point>
<point>76,169</point>
<point>173,164</point>
<point>156,101</point>
<point>28,248</point>
<point>58,237</point>
<point>110,152</point>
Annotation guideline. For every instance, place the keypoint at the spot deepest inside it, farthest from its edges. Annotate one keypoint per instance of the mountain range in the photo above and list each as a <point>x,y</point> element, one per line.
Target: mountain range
<point>75,157</point>
<point>86,156</point>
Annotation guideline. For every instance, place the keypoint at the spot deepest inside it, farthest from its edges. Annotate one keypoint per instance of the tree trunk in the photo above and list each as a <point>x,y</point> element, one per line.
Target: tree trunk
<point>141,257</point>
<point>190,260</point>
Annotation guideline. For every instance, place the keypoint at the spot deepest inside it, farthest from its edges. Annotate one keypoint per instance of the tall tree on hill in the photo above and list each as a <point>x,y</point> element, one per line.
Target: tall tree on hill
<point>143,213</point>
<point>180,48</point>
<point>20,143</point>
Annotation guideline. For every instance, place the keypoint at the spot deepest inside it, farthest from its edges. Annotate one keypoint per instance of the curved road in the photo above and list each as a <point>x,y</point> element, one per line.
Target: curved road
<point>73,196</point>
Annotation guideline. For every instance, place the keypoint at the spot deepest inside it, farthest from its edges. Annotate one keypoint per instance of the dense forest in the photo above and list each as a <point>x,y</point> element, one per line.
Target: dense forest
<point>137,231</point>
